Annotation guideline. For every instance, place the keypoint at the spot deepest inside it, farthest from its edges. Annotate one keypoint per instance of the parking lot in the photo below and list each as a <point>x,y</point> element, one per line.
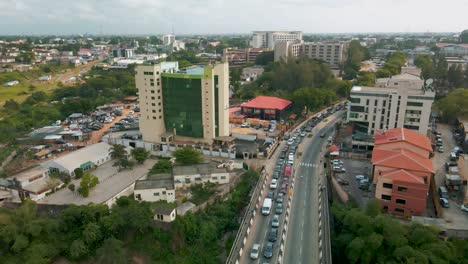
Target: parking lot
<point>351,185</point>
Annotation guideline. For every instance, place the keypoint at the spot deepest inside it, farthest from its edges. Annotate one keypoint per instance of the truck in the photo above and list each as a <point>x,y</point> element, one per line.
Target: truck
<point>266,208</point>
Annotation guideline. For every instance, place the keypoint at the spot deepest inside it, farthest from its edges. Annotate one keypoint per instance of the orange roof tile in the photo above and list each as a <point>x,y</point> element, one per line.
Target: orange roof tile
<point>402,175</point>
<point>267,102</point>
<point>402,134</point>
<point>401,159</point>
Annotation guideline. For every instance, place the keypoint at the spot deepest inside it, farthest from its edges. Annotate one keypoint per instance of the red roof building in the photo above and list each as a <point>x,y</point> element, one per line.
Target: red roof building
<point>402,171</point>
<point>266,107</point>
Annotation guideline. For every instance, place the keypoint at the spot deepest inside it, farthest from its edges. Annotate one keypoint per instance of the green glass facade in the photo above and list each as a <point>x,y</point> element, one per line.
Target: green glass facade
<point>182,104</point>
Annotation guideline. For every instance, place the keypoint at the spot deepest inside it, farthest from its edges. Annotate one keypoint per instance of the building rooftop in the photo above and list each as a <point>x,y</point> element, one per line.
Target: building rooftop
<point>401,159</point>
<point>28,174</point>
<point>154,184</point>
<point>48,130</point>
<point>267,102</point>
<point>204,168</point>
<point>402,134</point>
<point>164,210</point>
<point>78,157</point>
<point>402,175</point>
<point>42,185</point>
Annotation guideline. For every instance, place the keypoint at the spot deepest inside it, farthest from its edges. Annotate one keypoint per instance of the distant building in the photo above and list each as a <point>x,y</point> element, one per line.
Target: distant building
<point>120,53</point>
<point>402,171</point>
<point>457,62</point>
<point>85,158</point>
<point>268,39</point>
<point>186,176</point>
<point>239,57</point>
<point>266,107</point>
<point>250,74</point>
<point>159,187</point>
<point>399,101</point>
<point>165,214</point>
<point>168,39</point>
<point>453,50</point>
<point>190,104</point>
<point>333,53</point>
<point>42,132</point>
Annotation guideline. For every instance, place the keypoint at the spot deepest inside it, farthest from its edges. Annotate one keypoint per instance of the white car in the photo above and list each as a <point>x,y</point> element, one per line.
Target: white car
<point>338,169</point>
<point>330,139</point>
<point>303,134</point>
<point>273,184</point>
<point>360,177</point>
<point>464,207</point>
<point>337,162</point>
<point>364,181</point>
<point>290,142</point>
<point>255,251</point>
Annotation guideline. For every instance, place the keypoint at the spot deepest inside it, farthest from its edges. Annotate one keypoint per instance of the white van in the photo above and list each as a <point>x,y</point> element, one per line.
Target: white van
<point>266,208</point>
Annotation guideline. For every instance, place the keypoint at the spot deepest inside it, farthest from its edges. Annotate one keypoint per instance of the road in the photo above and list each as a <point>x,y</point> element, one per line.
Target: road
<point>302,242</point>
<point>302,234</point>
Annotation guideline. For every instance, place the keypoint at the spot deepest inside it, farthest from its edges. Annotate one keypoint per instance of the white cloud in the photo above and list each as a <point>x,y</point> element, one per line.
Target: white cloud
<point>221,16</point>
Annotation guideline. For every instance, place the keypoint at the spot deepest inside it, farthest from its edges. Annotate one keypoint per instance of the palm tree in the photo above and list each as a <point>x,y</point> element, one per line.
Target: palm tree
<point>118,152</point>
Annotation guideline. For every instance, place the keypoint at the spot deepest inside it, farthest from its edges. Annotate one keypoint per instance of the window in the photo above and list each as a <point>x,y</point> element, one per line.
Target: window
<point>214,178</point>
<point>387,185</point>
<point>153,104</point>
<point>354,115</point>
<point>367,101</point>
<point>152,91</point>
<point>414,104</point>
<point>154,117</point>
<point>402,189</point>
<point>384,103</point>
<point>399,210</point>
<point>400,201</point>
<point>156,194</point>
<point>152,97</point>
<point>386,197</point>
<point>198,179</point>
<point>355,100</point>
<point>375,102</point>
<point>223,177</point>
<point>164,192</point>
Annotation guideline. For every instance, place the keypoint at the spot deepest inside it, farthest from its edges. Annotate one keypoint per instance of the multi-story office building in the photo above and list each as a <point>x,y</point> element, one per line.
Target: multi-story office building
<point>187,105</point>
<point>168,39</point>
<point>399,101</point>
<point>119,53</point>
<point>333,53</point>
<point>268,39</point>
<point>239,57</point>
<point>452,50</point>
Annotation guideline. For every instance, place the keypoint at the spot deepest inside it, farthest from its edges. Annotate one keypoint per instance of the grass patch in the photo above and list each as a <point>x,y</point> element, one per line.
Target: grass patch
<point>202,192</point>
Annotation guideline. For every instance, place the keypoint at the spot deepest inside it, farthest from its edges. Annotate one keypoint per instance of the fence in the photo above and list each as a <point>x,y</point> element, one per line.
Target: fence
<point>244,229</point>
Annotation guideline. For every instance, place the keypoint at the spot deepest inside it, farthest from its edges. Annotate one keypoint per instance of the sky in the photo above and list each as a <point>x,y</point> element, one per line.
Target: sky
<point>229,16</point>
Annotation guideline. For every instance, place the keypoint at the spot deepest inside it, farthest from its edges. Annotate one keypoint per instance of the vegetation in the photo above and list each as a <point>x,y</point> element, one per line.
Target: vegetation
<point>455,104</point>
<point>424,61</point>
<point>162,166</point>
<point>202,192</point>
<point>464,36</point>
<point>96,234</point>
<point>87,182</point>
<point>140,154</point>
<point>370,237</point>
<point>265,58</point>
<point>187,156</point>
<point>356,54</point>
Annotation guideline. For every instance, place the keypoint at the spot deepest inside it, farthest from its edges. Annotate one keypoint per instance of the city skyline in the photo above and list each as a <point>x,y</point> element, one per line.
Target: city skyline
<point>214,17</point>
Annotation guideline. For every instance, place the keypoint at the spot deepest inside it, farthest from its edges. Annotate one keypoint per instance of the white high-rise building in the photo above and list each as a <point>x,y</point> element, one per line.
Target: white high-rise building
<point>333,53</point>
<point>399,101</point>
<point>268,39</point>
<point>168,39</point>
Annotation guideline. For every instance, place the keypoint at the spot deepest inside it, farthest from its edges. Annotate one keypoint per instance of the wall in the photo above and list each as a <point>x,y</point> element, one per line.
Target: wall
<point>148,195</point>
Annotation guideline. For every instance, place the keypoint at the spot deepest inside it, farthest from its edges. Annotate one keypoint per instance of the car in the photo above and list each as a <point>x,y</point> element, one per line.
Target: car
<point>286,137</point>
<point>258,126</point>
<point>279,198</point>
<point>338,169</point>
<point>276,175</point>
<point>268,250</point>
<point>440,149</point>
<point>303,134</point>
<point>270,194</point>
<point>272,129</point>
<point>278,168</point>
<point>342,182</point>
<point>266,128</point>
<point>276,221</point>
<point>330,139</point>
<point>273,235</point>
<point>439,143</point>
<point>255,251</point>
<point>284,189</point>
<point>273,184</point>
<point>131,112</point>
<point>279,208</point>
<point>359,177</point>
<point>322,135</point>
<point>245,125</point>
<point>290,142</point>
<point>364,181</point>
<point>464,207</point>
<point>337,162</point>
<point>444,202</point>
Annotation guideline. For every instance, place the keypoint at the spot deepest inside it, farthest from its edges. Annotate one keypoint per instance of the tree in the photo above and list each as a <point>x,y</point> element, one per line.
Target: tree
<point>464,37</point>
<point>187,156</point>
<point>425,62</point>
<point>140,154</point>
<point>265,58</point>
<point>162,166</point>
<point>455,76</point>
<point>440,72</point>
<point>87,182</point>
<point>118,151</point>
<point>78,173</point>
<point>455,104</point>
<point>78,249</point>
<point>366,79</point>
<point>356,54</point>
<point>111,252</point>
<point>71,187</point>
<point>11,104</point>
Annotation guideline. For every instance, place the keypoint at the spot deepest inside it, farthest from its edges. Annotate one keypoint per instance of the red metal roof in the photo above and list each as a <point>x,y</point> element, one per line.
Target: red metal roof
<point>267,102</point>
<point>401,159</point>
<point>402,134</point>
<point>402,175</point>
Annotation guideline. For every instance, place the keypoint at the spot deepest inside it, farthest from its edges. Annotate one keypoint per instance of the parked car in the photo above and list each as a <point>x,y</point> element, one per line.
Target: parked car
<point>273,184</point>
<point>303,134</point>
<point>244,125</point>
<point>360,177</point>
<point>440,149</point>
<point>271,194</point>
<point>464,207</point>
<point>279,198</point>
<point>255,251</point>
<point>444,202</point>
<point>290,142</point>
<point>338,169</point>
<point>268,250</point>
<point>279,208</point>
<point>273,235</point>
<point>258,126</point>
<point>342,182</point>
<point>276,221</point>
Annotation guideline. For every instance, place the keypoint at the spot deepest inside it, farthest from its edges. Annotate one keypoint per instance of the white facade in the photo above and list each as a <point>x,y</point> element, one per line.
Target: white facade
<point>165,215</point>
<point>34,183</point>
<point>154,195</point>
<point>168,39</point>
<point>268,39</point>
<point>333,53</point>
<point>186,176</point>
<point>399,101</point>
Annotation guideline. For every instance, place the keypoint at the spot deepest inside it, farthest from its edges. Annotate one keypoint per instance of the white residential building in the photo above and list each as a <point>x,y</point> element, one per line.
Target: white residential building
<point>165,214</point>
<point>168,39</point>
<point>399,101</point>
<point>268,39</point>
<point>185,176</point>
<point>155,188</point>
<point>34,183</point>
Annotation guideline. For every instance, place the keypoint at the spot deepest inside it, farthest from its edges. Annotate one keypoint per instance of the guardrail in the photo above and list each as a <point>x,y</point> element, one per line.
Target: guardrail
<point>247,221</point>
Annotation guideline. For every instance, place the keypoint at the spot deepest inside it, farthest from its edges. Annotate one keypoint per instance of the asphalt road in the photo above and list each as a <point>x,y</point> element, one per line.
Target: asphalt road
<point>302,240</point>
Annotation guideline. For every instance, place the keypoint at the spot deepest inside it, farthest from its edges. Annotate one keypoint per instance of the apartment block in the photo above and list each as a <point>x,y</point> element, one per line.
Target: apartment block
<point>239,57</point>
<point>399,101</point>
<point>268,39</point>
<point>184,105</point>
<point>333,53</point>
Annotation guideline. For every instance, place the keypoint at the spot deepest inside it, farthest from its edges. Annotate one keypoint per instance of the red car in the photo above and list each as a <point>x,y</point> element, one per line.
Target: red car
<point>287,171</point>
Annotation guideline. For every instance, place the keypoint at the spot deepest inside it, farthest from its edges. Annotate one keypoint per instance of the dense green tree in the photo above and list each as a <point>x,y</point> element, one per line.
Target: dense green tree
<point>78,173</point>
<point>440,72</point>
<point>464,36</point>
<point>11,104</point>
<point>111,252</point>
<point>425,62</point>
<point>162,166</point>
<point>140,154</point>
<point>87,182</point>
<point>454,104</point>
<point>187,156</point>
<point>455,76</point>
<point>356,54</point>
<point>118,151</point>
<point>366,79</point>
<point>71,187</point>
<point>265,58</point>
